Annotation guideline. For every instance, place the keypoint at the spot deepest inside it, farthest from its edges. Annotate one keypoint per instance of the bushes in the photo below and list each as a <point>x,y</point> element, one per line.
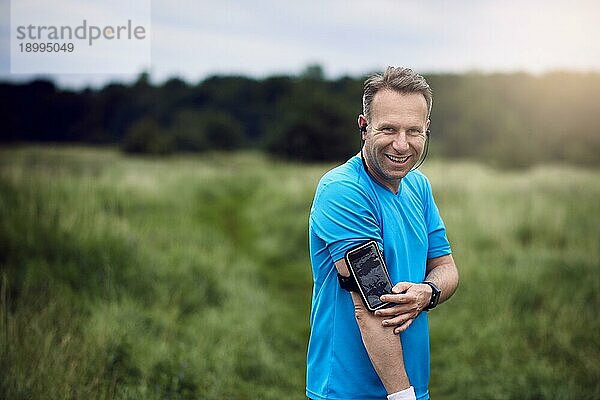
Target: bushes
<point>145,136</point>
<point>314,125</point>
<point>508,120</point>
<point>191,131</point>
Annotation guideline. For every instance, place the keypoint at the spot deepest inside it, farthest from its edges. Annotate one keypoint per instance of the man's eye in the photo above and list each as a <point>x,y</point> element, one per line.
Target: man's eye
<point>414,132</point>
<point>388,130</point>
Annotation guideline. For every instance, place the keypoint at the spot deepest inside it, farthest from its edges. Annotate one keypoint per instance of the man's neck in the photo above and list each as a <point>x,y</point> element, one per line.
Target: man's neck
<point>392,186</point>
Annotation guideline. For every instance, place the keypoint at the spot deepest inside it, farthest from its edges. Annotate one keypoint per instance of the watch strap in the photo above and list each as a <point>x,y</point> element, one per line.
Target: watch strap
<point>435,296</point>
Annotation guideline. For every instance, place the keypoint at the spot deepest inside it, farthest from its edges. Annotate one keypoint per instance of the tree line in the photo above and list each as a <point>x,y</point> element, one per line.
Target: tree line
<point>508,119</point>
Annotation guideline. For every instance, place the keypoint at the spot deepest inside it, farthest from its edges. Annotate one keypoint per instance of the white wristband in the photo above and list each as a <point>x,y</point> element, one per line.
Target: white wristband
<point>406,394</point>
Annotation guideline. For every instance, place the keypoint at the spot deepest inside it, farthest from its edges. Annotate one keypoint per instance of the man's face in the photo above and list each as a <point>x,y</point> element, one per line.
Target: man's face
<point>395,136</point>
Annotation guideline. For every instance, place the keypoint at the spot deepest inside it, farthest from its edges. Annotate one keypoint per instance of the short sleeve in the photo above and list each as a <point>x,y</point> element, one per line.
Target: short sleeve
<point>436,230</point>
<point>343,216</point>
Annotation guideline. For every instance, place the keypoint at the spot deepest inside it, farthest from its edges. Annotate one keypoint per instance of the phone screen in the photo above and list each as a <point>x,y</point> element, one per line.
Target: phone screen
<point>368,267</point>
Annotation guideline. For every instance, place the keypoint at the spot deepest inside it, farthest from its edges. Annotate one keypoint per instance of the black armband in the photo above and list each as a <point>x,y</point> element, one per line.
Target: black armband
<point>348,283</point>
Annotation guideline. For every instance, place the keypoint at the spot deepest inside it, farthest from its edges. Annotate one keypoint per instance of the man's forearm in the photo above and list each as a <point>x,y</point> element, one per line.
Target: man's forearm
<point>383,346</point>
<point>443,273</point>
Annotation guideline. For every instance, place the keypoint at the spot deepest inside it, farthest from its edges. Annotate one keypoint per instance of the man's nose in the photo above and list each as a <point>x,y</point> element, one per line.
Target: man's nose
<point>400,143</point>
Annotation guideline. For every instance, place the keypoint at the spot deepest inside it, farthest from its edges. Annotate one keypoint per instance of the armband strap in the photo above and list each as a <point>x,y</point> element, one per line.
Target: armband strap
<point>348,283</point>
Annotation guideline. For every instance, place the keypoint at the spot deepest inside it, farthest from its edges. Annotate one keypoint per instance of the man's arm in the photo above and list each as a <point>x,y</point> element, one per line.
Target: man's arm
<point>383,346</point>
<point>443,273</point>
<point>411,298</point>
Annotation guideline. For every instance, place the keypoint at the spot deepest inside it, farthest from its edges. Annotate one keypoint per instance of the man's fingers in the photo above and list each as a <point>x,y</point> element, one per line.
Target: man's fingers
<point>400,315</point>
<point>396,321</point>
<point>391,311</point>
<point>401,287</point>
<point>398,298</point>
<point>403,327</point>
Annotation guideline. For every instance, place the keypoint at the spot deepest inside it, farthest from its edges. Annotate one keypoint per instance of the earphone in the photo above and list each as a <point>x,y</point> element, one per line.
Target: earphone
<point>427,132</point>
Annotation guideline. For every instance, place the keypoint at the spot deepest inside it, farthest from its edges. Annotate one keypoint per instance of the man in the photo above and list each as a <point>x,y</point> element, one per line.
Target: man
<point>377,195</point>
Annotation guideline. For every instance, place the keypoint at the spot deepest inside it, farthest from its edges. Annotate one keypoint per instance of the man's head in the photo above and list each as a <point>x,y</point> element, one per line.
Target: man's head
<point>396,107</point>
<point>398,79</point>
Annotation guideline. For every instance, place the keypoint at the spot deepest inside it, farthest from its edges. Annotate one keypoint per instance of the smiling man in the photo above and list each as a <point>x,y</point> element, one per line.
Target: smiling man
<point>378,195</point>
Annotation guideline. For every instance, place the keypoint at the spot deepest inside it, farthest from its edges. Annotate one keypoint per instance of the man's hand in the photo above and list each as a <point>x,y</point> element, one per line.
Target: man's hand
<point>410,299</point>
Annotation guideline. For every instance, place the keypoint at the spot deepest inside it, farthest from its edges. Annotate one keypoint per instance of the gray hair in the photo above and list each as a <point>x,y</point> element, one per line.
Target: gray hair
<point>399,79</point>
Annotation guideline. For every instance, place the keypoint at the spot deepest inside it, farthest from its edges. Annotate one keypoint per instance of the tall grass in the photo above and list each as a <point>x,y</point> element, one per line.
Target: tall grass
<point>188,277</point>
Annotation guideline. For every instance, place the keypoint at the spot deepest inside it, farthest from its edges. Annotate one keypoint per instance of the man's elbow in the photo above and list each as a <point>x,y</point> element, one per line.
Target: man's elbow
<point>361,314</point>
<point>367,322</point>
<point>454,278</point>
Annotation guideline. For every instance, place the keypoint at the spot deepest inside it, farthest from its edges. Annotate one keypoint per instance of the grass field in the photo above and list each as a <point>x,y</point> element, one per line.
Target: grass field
<point>188,277</point>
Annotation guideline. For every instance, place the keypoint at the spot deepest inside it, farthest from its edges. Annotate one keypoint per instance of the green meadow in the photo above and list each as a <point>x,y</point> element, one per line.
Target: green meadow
<point>187,277</point>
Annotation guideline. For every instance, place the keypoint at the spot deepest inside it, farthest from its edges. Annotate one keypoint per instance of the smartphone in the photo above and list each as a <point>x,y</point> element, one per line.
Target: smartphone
<point>367,266</point>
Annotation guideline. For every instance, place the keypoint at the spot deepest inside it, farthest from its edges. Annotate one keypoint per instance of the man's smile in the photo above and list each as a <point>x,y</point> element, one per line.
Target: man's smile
<point>398,160</point>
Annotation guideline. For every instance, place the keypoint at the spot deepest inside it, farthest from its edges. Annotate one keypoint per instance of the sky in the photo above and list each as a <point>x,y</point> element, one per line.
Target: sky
<point>193,39</point>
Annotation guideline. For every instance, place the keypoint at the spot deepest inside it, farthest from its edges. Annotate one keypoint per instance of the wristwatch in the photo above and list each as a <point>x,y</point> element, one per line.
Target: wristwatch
<point>435,296</point>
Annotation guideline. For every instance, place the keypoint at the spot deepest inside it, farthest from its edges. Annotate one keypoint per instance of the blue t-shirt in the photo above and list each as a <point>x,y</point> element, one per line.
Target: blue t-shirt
<point>349,208</point>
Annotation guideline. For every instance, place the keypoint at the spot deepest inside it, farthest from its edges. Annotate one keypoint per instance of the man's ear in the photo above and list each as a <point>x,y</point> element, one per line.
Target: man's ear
<point>362,126</point>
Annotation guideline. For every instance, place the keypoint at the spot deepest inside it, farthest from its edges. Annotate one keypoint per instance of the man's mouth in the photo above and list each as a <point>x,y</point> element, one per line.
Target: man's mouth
<point>398,160</point>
